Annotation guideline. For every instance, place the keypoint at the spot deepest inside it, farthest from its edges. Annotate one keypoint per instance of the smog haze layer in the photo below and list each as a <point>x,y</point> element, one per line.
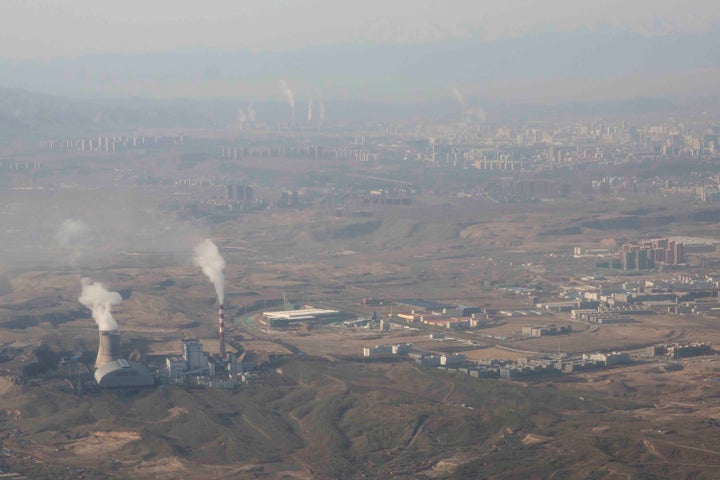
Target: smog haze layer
<point>315,239</point>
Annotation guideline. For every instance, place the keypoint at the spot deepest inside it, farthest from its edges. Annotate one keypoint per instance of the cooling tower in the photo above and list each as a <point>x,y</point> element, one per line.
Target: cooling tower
<point>109,348</point>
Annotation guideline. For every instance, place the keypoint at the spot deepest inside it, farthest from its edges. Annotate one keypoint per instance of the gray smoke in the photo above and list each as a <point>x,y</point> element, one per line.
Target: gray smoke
<point>96,297</point>
<point>288,96</point>
<point>208,258</point>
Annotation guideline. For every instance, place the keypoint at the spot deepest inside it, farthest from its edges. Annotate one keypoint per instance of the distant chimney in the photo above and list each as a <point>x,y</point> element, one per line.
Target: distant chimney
<point>109,348</point>
<point>221,331</point>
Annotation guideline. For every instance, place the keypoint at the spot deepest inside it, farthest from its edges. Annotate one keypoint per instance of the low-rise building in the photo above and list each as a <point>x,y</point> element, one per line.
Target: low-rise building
<point>455,359</point>
<point>377,350</point>
<point>545,330</point>
<point>608,359</point>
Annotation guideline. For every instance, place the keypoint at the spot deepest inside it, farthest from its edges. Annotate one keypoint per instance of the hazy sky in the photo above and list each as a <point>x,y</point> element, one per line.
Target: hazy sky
<point>52,28</point>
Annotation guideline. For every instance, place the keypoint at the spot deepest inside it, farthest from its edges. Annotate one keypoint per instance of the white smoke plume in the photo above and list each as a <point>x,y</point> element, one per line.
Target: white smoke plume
<point>475,114</point>
<point>461,100</point>
<point>96,297</point>
<point>468,113</point>
<point>310,110</point>
<point>458,95</point>
<point>288,96</point>
<point>321,106</point>
<point>241,116</point>
<point>71,231</point>
<point>208,258</point>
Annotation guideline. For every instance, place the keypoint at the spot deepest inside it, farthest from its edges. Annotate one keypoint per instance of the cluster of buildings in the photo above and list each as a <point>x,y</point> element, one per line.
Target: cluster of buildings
<point>545,330</point>
<point>441,320</point>
<point>421,358</point>
<point>457,362</point>
<point>196,367</point>
<point>385,350</point>
<point>541,147</point>
<point>192,367</point>
<point>110,144</point>
<point>239,194</point>
<point>553,364</point>
<point>679,350</point>
<point>683,294</point>
<point>645,254</point>
<point>444,316</point>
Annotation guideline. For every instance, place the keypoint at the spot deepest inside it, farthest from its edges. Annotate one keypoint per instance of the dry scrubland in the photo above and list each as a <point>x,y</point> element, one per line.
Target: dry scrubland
<point>328,414</point>
<point>321,419</point>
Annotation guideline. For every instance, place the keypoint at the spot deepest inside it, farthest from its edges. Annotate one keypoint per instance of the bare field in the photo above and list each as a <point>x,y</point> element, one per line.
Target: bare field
<point>323,413</point>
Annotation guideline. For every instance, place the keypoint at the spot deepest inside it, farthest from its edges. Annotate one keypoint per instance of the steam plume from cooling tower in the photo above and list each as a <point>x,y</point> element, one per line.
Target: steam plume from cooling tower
<point>208,258</point>
<point>288,96</point>
<point>96,297</point>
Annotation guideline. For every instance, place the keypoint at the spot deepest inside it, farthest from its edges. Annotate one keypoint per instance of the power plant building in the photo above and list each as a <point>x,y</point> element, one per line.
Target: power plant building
<point>193,354</point>
<point>113,371</point>
<point>121,373</point>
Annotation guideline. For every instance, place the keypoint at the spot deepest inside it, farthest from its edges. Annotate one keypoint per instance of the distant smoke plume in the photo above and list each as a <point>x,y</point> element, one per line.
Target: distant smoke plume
<point>475,114</point>
<point>241,117</point>
<point>288,96</point>
<point>322,111</point>
<point>468,113</point>
<point>310,110</point>
<point>458,96</point>
<point>321,106</point>
<point>71,231</point>
<point>96,297</point>
<point>461,100</point>
<point>208,258</point>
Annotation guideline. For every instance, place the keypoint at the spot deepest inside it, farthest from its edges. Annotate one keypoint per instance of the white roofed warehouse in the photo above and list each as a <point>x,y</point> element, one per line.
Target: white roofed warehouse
<point>302,315</point>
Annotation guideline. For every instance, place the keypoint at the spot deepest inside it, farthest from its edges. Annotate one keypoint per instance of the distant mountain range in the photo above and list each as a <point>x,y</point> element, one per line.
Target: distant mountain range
<point>541,68</point>
<point>554,74</point>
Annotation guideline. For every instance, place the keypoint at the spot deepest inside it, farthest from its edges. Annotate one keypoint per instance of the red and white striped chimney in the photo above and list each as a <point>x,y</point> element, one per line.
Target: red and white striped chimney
<point>221,331</point>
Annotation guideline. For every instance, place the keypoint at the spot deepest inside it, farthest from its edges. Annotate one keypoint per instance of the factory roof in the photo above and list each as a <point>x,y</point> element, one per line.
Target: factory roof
<point>304,314</point>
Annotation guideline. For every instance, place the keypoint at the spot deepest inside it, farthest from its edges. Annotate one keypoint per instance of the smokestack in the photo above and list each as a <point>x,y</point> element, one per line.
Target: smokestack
<point>221,330</point>
<point>310,110</point>
<point>109,348</point>
<point>287,92</point>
